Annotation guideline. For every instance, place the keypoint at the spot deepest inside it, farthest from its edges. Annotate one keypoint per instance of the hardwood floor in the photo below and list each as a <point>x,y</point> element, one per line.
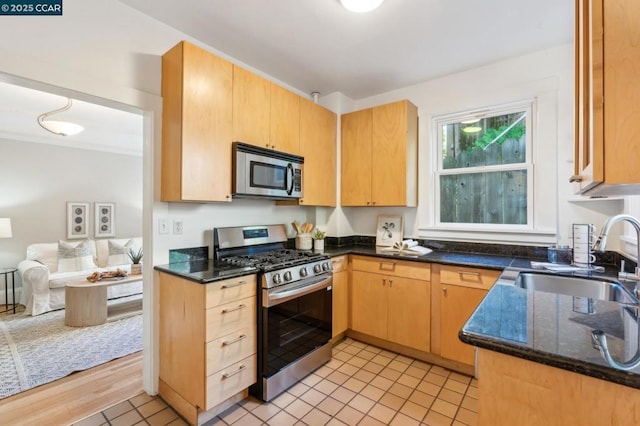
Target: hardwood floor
<point>77,396</point>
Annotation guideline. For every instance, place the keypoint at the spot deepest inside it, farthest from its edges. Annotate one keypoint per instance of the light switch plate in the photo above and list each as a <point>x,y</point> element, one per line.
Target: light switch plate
<point>163,226</point>
<point>177,227</point>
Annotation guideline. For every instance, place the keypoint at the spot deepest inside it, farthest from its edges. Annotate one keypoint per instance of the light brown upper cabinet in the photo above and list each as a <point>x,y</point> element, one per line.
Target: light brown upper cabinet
<point>379,156</point>
<point>251,108</point>
<point>196,125</point>
<point>607,97</point>
<point>285,120</point>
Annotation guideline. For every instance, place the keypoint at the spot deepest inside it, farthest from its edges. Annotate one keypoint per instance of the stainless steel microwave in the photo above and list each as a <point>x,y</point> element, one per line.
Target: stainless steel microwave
<point>265,173</point>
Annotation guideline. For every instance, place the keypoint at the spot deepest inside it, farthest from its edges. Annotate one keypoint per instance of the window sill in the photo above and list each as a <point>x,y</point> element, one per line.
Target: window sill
<point>540,237</point>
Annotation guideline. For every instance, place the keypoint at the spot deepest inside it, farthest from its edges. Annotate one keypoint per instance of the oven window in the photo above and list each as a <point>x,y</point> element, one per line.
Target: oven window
<point>268,176</point>
<point>294,328</point>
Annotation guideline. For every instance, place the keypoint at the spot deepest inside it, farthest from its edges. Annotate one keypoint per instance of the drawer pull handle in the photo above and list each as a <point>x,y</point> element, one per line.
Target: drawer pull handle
<point>231,342</point>
<point>227,375</point>
<point>238,284</point>
<point>338,260</point>
<point>390,283</point>
<point>384,282</point>
<point>475,274</point>
<point>390,266</point>
<point>226,311</point>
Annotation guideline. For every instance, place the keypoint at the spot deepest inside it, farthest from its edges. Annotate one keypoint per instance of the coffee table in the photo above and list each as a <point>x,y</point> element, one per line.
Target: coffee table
<point>86,302</point>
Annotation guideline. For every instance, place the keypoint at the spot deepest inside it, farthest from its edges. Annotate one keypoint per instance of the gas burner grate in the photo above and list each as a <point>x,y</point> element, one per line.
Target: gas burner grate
<point>273,259</point>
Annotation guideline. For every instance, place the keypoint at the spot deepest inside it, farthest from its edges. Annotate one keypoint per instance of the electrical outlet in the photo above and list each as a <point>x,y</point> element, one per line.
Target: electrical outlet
<point>163,226</point>
<point>177,227</point>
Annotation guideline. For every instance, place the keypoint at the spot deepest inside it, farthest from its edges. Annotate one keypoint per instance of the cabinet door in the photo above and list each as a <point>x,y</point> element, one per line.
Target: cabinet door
<point>251,108</point>
<point>340,303</point>
<point>456,306</point>
<point>356,158</point>
<point>285,120</point>
<point>318,147</point>
<point>196,129</point>
<point>369,304</point>
<point>409,319</point>
<point>389,154</point>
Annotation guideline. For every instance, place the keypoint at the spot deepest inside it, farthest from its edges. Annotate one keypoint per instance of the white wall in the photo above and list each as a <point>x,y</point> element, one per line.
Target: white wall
<point>36,181</point>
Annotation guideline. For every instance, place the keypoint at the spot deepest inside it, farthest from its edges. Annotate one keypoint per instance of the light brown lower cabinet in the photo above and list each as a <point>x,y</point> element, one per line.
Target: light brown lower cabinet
<point>340,295</point>
<point>207,344</point>
<point>391,300</point>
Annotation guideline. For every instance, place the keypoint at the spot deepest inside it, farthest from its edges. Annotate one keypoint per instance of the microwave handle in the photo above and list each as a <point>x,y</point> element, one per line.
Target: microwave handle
<point>292,179</point>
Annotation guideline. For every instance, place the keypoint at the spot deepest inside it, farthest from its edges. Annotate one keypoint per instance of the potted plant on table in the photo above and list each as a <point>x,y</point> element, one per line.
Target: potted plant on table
<point>136,257</point>
<point>318,239</point>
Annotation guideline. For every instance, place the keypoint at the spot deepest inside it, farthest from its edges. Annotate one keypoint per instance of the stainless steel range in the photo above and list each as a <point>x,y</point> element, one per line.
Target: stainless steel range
<point>294,303</point>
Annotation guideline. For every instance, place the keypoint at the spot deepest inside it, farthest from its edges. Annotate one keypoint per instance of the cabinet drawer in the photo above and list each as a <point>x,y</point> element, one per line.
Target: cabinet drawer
<point>231,348</point>
<point>225,319</point>
<point>226,291</point>
<point>339,263</point>
<point>392,267</point>
<point>230,380</point>
<point>468,277</point>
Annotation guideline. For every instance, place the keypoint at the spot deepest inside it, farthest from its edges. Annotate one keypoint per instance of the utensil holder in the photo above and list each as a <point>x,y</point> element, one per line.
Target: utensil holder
<point>304,241</point>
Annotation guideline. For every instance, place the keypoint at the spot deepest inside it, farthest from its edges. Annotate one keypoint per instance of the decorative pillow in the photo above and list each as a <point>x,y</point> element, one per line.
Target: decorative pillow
<point>75,257</point>
<point>118,253</point>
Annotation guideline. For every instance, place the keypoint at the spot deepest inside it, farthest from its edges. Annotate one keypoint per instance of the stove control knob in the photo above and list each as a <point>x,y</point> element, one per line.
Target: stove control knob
<point>276,279</point>
<point>287,276</point>
<point>325,266</point>
<point>317,268</point>
<point>303,272</point>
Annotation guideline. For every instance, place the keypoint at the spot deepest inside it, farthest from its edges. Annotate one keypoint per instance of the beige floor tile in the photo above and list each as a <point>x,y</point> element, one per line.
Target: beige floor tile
<point>334,364</point>
<point>316,417</point>
<point>372,392</point>
<point>338,377</point>
<point>416,372</point>
<point>282,419</point>
<point>433,418</point>
<point>311,380</point>
<point>358,344</point>
<point>413,410</point>
<point>472,392</point>
<point>382,360</point>
<point>445,408</point>
<point>357,361</point>
<point>456,386</point>
<point>429,388</point>
<point>180,422</point>
<point>343,395</point>
<point>250,403</point>
<point>162,418</point>
<point>373,367</point>
<point>352,349</point>
<point>458,423</point>
<point>381,382</point>
<point>152,407</point>
<point>392,401</point>
<point>407,360</point>
<point>313,397</point>
<point>361,403</point>
<point>348,369</point>
<point>440,370</point>
<point>323,371</point>
<point>398,366</point>
<point>474,382</point>
<point>421,365</point>
<point>364,375</point>
<point>326,387</point>
<point>354,384</point>
<point>366,355</point>
<point>298,408</point>
<point>95,420</point>
<point>373,349</point>
<point>284,399</point>
<point>340,346</point>
<point>127,419</point>
<point>336,422</point>
<point>470,403</point>
<point>138,400</point>
<point>248,420</point>
<point>460,377</point>
<point>369,421</point>
<point>342,356</point>
<point>422,398</point>
<point>467,417</point>
<point>401,390</point>
<point>450,396</point>
<point>298,389</point>
<point>403,420</point>
<point>266,411</point>
<point>117,410</point>
<point>435,378</point>
<point>388,354</point>
<point>349,415</point>
<point>390,374</point>
<point>382,413</point>
<point>331,406</point>
<point>409,381</point>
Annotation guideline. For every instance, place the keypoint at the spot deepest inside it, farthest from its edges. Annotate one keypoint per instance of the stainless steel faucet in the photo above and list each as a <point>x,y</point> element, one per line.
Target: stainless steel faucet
<point>601,242</point>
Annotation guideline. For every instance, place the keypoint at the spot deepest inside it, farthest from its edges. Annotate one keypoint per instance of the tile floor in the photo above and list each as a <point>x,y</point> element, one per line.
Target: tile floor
<point>361,385</point>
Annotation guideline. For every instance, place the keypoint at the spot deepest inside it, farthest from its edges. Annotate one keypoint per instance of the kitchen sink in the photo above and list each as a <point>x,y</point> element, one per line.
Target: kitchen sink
<point>576,286</point>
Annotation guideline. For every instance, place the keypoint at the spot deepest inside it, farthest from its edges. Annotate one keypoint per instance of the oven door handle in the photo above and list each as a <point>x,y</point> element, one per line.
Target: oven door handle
<point>277,297</point>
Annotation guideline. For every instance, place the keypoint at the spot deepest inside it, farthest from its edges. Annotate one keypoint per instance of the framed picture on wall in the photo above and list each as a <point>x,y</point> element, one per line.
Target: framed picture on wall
<point>104,220</point>
<point>389,230</point>
<point>77,220</point>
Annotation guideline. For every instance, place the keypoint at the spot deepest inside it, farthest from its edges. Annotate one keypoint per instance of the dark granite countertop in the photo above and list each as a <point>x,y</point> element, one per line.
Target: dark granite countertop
<point>555,329</point>
<point>205,271</point>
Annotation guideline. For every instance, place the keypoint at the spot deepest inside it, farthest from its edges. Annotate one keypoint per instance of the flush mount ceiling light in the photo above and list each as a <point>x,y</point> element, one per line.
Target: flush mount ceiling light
<point>361,6</point>
<point>62,128</point>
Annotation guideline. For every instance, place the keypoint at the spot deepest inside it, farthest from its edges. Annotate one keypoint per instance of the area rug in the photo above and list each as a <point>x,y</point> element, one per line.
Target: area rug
<point>41,349</point>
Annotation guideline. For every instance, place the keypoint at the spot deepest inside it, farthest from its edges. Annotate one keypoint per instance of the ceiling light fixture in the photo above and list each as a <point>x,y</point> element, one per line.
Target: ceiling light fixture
<point>361,6</point>
<point>62,128</point>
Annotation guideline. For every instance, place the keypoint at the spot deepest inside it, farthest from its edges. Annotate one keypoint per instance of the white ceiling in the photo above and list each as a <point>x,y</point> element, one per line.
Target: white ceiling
<point>316,45</point>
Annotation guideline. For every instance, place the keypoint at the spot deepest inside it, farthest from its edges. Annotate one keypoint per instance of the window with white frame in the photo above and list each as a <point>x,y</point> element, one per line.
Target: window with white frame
<point>484,172</point>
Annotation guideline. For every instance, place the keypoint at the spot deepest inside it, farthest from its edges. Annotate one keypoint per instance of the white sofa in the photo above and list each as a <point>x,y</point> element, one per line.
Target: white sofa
<point>44,273</point>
